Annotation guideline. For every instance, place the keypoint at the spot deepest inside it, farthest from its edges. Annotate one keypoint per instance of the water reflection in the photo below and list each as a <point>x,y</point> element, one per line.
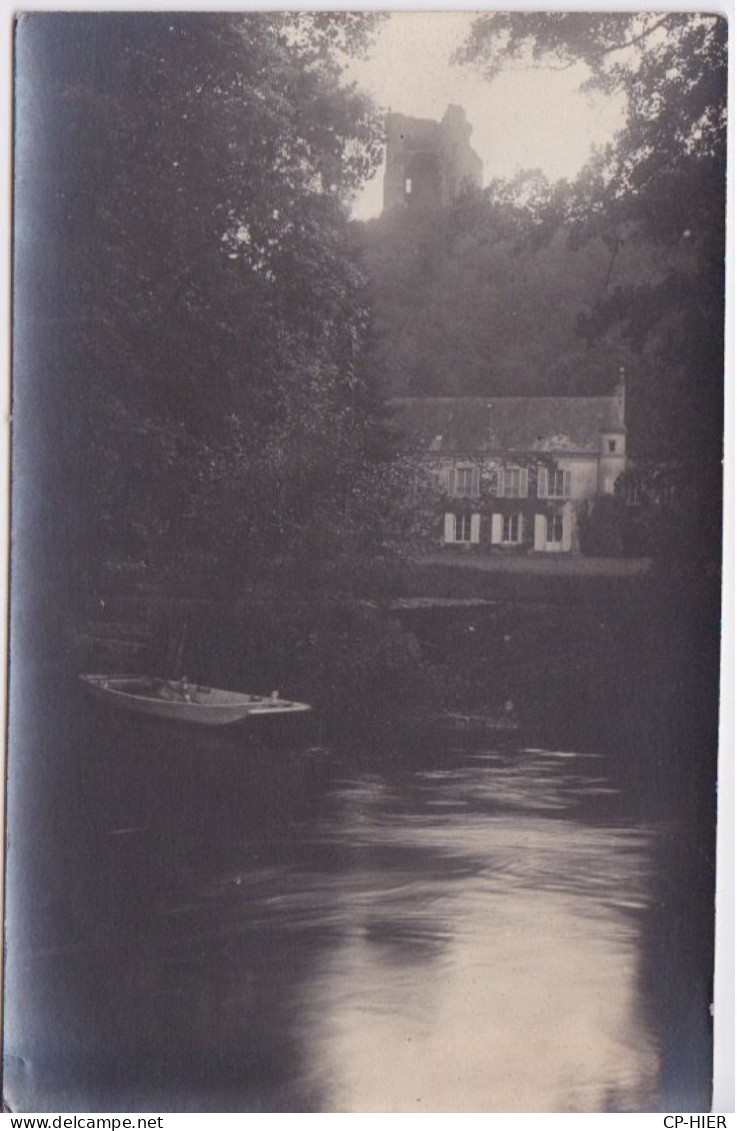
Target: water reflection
<point>462,933</point>
<point>489,962</point>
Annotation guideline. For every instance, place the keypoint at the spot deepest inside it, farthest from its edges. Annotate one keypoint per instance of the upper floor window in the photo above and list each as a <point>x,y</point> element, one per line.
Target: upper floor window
<point>463,482</point>
<point>553,483</point>
<point>513,482</point>
<point>612,445</point>
<point>408,186</point>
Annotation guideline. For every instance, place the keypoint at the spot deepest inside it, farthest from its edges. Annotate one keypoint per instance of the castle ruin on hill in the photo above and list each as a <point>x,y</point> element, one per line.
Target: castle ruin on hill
<point>428,162</point>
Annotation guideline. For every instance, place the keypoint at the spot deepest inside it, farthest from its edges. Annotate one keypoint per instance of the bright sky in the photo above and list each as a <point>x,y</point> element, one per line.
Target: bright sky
<point>525,119</point>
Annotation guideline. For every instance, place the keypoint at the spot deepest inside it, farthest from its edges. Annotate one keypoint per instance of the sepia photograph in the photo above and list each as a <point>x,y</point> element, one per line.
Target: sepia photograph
<point>368,376</point>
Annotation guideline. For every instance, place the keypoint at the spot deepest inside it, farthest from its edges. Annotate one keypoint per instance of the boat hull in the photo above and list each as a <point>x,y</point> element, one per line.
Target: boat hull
<point>191,704</point>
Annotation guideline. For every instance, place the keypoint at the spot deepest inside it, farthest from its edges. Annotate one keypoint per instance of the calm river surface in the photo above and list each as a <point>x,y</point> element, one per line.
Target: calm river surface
<point>475,926</point>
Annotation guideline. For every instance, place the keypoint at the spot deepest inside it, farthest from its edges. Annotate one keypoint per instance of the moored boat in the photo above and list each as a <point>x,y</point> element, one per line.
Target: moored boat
<point>182,701</point>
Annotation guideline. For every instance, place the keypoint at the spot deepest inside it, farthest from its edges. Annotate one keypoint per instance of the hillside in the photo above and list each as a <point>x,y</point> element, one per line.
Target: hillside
<point>482,299</point>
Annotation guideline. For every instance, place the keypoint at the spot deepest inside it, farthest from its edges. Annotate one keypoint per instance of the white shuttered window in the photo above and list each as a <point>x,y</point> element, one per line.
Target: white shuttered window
<point>553,483</point>
<point>462,528</point>
<point>513,482</point>
<point>512,529</point>
<point>555,529</point>
<point>466,482</point>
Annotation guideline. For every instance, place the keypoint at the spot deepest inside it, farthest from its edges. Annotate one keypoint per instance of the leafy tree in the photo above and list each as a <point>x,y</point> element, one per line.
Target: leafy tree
<point>185,296</point>
<point>485,297</point>
<point>662,183</point>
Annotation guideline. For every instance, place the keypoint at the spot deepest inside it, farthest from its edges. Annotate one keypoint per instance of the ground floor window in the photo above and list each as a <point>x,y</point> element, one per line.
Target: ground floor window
<point>462,528</point>
<point>555,528</point>
<point>511,528</point>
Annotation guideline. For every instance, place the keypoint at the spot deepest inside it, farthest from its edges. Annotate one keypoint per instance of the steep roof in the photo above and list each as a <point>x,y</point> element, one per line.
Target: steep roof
<point>505,424</point>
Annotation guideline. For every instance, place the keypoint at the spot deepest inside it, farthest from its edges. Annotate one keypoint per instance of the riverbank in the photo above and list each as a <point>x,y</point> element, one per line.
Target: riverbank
<point>194,870</point>
<point>551,579</point>
<point>605,660</point>
<point>546,565</point>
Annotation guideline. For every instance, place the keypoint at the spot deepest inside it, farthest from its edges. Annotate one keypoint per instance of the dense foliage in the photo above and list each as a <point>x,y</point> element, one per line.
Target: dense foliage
<point>202,321</point>
<point>484,298</point>
<point>192,379</point>
<point>662,184</point>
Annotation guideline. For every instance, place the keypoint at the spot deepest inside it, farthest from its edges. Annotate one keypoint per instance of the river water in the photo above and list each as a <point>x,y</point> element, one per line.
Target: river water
<point>468,922</point>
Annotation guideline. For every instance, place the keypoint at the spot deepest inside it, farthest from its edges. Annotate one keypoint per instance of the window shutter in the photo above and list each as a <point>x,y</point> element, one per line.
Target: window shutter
<point>494,482</point>
<point>567,524</point>
<point>496,529</point>
<point>450,528</point>
<point>523,483</point>
<point>520,528</point>
<point>475,486</point>
<point>542,482</point>
<point>567,484</point>
<point>451,481</point>
<point>540,531</point>
<point>475,527</point>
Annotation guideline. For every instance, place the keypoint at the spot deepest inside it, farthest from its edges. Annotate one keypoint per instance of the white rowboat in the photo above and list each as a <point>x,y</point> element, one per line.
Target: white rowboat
<point>180,701</point>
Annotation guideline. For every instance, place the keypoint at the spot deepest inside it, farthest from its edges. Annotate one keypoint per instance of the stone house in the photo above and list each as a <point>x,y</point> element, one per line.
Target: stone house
<point>515,471</point>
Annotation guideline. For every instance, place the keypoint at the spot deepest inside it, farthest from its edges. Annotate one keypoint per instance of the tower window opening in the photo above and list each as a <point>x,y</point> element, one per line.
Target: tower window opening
<point>408,186</point>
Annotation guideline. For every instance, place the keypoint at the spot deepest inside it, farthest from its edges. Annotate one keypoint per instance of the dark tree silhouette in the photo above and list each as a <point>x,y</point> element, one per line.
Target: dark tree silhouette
<point>188,311</point>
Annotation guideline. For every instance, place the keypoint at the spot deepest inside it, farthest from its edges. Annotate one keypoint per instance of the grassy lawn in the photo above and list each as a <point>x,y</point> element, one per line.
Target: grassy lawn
<point>549,565</point>
<point>553,578</point>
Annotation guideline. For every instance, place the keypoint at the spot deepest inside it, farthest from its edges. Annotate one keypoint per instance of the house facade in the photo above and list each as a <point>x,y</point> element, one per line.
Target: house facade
<point>514,472</point>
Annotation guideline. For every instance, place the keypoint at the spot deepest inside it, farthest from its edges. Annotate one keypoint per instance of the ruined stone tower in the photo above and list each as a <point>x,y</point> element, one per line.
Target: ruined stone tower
<point>428,162</point>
